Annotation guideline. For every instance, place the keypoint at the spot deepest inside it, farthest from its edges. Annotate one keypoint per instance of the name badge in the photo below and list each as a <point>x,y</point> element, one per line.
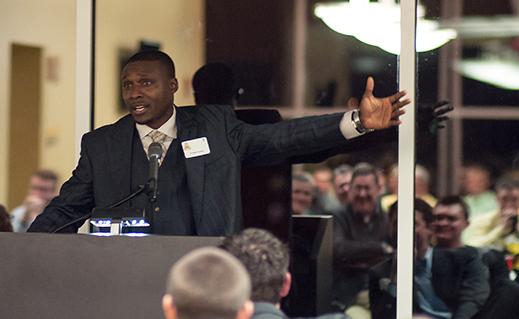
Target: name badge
<point>196,147</point>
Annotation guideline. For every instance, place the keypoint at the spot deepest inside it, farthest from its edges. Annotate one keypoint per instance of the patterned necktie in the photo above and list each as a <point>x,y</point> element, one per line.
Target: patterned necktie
<point>158,137</point>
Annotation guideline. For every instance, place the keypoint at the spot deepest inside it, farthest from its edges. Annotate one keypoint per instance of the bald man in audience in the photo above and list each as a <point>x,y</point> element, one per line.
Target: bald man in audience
<point>208,283</point>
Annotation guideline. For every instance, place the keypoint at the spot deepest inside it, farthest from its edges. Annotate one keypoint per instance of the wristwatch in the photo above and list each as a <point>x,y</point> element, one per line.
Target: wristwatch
<point>355,118</point>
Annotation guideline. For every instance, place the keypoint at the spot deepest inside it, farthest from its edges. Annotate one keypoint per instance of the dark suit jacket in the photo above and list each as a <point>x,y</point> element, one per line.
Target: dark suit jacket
<point>102,174</point>
<point>459,279</point>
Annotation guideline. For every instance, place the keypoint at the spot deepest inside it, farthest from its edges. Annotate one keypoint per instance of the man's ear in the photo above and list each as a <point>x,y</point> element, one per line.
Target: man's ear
<point>168,307</point>
<point>287,282</point>
<point>246,311</point>
<point>173,85</point>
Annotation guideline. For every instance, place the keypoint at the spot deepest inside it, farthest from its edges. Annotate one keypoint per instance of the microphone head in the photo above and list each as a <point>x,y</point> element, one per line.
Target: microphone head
<point>155,150</point>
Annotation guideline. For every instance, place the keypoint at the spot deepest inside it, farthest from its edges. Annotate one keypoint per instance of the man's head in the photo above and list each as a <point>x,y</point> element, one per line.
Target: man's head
<point>303,193</point>
<point>148,85</point>
<point>451,217</point>
<point>5,220</point>
<point>423,220</point>
<point>342,182</point>
<point>476,179</point>
<point>422,180</point>
<point>43,185</point>
<point>214,83</point>
<point>507,192</point>
<point>266,259</point>
<point>364,189</point>
<point>323,179</point>
<point>207,283</point>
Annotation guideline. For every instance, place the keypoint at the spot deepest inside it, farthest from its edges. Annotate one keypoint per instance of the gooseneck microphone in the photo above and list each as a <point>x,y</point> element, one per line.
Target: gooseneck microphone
<point>154,156</point>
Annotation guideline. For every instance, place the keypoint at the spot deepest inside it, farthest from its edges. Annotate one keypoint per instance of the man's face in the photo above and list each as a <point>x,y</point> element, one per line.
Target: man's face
<point>449,223</point>
<point>323,180</point>
<point>302,196</point>
<point>44,189</point>
<point>147,91</point>
<point>363,194</point>
<point>342,185</point>
<point>475,180</point>
<point>508,198</point>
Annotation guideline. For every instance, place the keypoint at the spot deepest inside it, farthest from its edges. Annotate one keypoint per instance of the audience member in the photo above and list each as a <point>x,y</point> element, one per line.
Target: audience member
<point>490,229</point>
<point>266,259</point>
<point>450,219</point>
<point>43,186</point>
<point>5,222</point>
<point>476,183</point>
<point>360,231</point>
<point>326,200</point>
<point>303,194</point>
<point>449,283</point>
<point>342,182</point>
<point>422,182</point>
<point>208,283</point>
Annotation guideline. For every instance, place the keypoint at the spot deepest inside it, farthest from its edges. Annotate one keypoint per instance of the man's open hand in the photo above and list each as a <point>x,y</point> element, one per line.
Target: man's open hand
<point>380,113</point>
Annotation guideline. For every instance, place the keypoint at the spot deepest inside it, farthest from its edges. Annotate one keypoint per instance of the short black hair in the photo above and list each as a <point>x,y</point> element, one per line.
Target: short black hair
<point>419,205</point>
<point>5,220</point>
<point>363,169</point>
<point>266,259</point>
<point>154,55</point>
<point>454,200</point>
<point>214,83</point>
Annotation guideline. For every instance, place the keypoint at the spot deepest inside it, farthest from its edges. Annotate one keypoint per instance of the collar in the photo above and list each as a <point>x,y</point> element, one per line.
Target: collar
<point>169,128</point>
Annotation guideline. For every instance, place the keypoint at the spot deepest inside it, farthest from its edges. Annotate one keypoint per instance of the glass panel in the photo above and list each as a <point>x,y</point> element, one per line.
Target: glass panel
<point>477,73</point>
<point>37,54</point>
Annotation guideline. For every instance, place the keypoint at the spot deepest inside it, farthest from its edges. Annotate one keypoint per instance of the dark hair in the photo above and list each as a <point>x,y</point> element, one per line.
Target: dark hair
<point>46,175</point>
<point>5,220</point>
<point>425,209</point>
<point>506,183</point>
<point>266,259</point>
<point>454,200</point>
<point>154,55</point>
<point>214,83</point>
<point>419,205</point>
<point>363,169</point>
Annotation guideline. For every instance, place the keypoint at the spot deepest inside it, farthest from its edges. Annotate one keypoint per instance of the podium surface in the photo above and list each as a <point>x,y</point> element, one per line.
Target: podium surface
<point>54,276</point>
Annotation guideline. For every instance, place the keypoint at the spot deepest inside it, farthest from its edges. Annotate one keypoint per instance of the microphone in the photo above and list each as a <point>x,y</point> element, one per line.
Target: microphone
<point>154,156</point>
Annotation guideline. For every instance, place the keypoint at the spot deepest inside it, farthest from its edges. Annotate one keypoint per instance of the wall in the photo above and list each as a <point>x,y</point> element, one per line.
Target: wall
<point>176,25</point>
<point>48,24</point>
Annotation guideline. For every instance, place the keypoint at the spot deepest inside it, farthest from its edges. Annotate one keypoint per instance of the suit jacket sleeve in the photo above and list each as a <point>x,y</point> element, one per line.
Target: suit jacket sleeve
<point>273,144</point>
<point>474,289</point>
<point>75,199</point>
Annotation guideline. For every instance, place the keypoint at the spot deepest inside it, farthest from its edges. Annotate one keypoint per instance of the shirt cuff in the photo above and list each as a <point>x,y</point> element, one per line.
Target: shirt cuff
<point>347,127</point>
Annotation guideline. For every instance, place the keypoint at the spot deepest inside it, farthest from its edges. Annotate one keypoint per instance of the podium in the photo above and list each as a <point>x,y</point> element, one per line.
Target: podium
<point>54,276</point>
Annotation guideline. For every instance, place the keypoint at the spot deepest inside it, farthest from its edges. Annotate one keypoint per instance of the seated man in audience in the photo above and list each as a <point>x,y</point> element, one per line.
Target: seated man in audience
<point>266,259</point>
<point>450,219</point>
<point>342,183</point>
<point>208,283</point>
<point>491,229</point>
<point>476,185</point>
<point>303,194</point>
<point>448,283</point>
<point>360,231</point>
<point>43,186</point>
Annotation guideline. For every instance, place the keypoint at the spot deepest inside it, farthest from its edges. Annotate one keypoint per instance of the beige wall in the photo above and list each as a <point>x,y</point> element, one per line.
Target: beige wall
<point>48,24</point>
<point>121,24</point>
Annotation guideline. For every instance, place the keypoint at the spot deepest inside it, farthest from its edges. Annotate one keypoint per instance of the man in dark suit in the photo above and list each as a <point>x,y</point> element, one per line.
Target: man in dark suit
<point>448,283</point>
<point>205,147</point>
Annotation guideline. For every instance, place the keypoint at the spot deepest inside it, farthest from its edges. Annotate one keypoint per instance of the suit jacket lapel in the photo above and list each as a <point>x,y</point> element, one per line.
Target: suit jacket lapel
<point>188,129</point>
<point>120,157</point>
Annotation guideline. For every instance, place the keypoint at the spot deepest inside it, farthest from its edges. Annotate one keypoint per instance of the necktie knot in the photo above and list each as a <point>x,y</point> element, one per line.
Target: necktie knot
<point>158,137</point>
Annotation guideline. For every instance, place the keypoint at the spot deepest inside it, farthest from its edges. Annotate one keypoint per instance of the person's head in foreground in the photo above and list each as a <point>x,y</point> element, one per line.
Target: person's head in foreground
<point>208,283</point>
<point>266,259</point>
